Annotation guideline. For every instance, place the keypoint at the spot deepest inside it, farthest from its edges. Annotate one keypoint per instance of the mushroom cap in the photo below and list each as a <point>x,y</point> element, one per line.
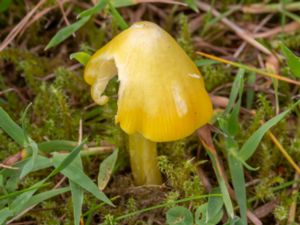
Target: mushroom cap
<point>161,94</point>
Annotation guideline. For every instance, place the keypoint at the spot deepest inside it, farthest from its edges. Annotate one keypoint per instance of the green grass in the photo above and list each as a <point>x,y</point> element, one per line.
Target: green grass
<point>56,178</point>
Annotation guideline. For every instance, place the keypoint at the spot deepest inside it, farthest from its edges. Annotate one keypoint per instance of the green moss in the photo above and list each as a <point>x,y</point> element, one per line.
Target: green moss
<point>264,188</point>
<point>109,220</point>
<point>55,117</point>
<point>292,41</point>
<point>26,62</point>
<point>193,187</point>
<point>8,146</point>
<point>281,213</point>
<point>215,75</point>
<point>267,157</point>
<point>62,99</point>
<point>295,144</point>
<point>50,213</point>
<point>171,197</point>
<point>184,39</point>
<point>181,174</point>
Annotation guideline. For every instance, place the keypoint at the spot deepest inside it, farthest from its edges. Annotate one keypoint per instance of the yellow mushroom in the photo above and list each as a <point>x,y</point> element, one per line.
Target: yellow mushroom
<point>161,97</point>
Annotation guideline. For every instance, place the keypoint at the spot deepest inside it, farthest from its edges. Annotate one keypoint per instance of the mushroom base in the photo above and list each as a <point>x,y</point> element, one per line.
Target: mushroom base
<point>143,160</point>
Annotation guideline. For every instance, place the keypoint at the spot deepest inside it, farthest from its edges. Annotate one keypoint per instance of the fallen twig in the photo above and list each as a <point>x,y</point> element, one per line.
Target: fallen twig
<point>161,1</point>
<point>265,209</point>
<point>264,8</point>
<point>289,28</point>
<point>17,29</point>
<point>244,44</point>
<point>61,7</point>
<point>238,30</point>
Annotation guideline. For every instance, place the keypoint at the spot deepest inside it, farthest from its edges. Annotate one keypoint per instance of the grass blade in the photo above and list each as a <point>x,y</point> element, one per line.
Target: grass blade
<point>231,125</point>
<point>12,177</point>
<point>20,201</point>
<point>293,16</point>
<point>36,199</point>
<point>77,200</point>
<point>192,4</point>
<point>233,119</point>
<point>11,128</point>
<point>17,193</point>
<point>66,161</point>
<point>56,145</point>
<point>5,213</point>
<point>238,181</point>
<point>128,215</point>
<point>106,169</point>
<point>214,206</point>
<point>235,90</point>
<point>4,4</point>
<point>66,32</point>
<point>94,10</point>
<point>292,60</point>
<point>77,194</point>
<point>123,3</point>
<point>117,16</point>
<point>223,188</point>
<point>205,62</point>
<point>76,175</point>
<point>26,203</point>
<point>250,92</point>
<point>251,144</point>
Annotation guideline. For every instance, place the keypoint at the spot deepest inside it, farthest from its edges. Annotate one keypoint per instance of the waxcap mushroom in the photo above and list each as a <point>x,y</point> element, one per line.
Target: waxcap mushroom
<point>161,95</point>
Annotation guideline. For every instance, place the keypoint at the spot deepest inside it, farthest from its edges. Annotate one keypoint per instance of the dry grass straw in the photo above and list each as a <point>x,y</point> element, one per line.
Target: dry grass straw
<point>259,71</point>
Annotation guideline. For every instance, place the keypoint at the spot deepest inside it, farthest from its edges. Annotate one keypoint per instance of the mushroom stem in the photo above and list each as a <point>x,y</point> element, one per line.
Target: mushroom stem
<point>143,160</point>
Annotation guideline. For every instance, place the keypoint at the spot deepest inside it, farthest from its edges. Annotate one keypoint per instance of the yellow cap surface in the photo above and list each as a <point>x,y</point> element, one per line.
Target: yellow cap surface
<point>162,94</point>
